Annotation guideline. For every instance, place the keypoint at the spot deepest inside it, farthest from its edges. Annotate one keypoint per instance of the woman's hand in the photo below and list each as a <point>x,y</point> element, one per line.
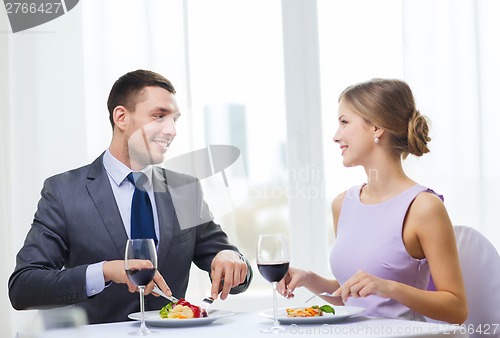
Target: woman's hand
<point>363,284</point>
<point>293,279</point>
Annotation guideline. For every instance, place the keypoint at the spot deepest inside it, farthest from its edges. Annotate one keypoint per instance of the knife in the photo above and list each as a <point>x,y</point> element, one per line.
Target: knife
<point>157,290</point>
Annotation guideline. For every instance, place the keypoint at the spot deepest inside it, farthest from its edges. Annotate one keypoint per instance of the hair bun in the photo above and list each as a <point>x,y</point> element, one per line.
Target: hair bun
<point>389,104</point>
<point>418,134</point>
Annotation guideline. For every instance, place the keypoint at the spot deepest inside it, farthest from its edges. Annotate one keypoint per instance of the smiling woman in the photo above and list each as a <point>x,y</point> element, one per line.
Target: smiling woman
<point>454,87</point>
<point>382,260</point>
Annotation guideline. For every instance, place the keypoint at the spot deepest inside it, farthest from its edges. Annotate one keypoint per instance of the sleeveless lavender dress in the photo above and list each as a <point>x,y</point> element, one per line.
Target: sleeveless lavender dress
<point>369,238</point>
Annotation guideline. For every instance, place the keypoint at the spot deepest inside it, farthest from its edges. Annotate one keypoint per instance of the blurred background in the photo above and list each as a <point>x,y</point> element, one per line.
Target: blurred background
<point>262,75</point>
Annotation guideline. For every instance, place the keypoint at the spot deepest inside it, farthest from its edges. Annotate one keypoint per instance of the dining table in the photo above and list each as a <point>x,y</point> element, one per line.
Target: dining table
<point>224,324</point>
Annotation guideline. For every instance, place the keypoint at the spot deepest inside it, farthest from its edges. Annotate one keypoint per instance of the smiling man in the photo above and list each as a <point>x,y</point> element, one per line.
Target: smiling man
<point>143,120</point>
<point>74,251</point>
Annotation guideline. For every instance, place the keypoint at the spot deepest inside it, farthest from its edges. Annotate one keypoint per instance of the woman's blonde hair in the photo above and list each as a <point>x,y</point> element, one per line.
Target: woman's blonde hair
<point>389,104</point>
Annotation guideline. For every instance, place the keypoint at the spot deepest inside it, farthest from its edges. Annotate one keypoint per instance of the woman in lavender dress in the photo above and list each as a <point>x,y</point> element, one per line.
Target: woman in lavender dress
<point>391,232</point>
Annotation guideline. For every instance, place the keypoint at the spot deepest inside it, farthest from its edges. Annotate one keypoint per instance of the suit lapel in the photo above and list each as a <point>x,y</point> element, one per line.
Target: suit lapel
<point>100,191</point>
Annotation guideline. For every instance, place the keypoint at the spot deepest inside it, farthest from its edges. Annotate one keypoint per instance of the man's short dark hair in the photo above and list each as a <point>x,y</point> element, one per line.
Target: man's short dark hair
<point>128,88</point>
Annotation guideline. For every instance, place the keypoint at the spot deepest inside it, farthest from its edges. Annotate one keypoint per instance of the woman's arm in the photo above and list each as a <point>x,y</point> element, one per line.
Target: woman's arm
<point>308,279</point>
<point>428,219</point>
<point>336,207</point>
<point>312,281</point>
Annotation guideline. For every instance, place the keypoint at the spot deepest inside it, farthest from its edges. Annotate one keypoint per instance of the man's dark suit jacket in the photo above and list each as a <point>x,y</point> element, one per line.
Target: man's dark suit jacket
<point>78,223</point>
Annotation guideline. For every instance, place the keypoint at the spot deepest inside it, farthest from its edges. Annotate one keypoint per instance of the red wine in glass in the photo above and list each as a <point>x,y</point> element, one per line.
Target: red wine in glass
<point>273,272</point>
<point>141,263</point>
<point>142,276</point>
<point>273,260</point>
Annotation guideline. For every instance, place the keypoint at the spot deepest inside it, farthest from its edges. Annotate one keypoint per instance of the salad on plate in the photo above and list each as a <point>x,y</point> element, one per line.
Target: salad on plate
<point>182,309</point>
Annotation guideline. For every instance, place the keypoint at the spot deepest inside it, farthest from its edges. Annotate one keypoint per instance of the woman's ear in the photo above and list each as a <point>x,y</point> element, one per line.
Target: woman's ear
<point>120,117</point>
<point>378,131</point>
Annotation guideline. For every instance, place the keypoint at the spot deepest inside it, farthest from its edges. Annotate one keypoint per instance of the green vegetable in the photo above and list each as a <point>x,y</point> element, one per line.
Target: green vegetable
<point>328,309</point>
<point>165,310</point>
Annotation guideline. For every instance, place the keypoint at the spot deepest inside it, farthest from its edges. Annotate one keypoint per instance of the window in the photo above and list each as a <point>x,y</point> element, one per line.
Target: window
<point>237,98</point>
<point>359,40</point>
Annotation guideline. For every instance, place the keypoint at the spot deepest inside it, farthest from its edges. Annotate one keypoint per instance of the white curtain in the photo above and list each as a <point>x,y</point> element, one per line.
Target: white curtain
<point>42,127</point>
<point>451,60</point>
<point>124,35</point>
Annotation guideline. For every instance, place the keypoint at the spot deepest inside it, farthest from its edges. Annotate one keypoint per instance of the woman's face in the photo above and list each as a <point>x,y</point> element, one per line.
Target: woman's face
<point>354,135</point>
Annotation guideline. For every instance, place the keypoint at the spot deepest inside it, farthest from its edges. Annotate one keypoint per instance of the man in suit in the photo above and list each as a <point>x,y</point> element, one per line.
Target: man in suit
<point>74,251</point>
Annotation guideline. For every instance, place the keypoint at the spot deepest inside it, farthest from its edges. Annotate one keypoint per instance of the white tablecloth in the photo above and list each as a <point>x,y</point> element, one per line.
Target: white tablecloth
<point>242,325</point>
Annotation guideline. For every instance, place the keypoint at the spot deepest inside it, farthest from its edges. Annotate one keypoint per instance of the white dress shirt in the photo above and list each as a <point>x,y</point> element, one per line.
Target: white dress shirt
<point>123,191</point>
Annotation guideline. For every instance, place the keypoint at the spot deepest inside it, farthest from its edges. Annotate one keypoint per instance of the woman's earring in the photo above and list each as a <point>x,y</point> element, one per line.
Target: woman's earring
<point>376,140</point>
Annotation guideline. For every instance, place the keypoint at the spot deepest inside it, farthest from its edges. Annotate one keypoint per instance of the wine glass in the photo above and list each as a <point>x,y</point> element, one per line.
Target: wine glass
<point>140,266</point>
<point>273,259</point>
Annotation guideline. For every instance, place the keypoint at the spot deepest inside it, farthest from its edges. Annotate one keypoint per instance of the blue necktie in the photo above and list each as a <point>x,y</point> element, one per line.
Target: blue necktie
<point>141,221</point>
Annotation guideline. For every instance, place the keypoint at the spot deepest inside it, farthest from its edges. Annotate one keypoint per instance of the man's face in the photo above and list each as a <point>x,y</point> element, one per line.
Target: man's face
<point>151,127</point>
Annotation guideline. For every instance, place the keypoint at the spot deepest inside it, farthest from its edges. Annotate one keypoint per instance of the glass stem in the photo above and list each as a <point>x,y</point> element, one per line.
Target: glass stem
<point>275,303</point>
<point>141,294</point>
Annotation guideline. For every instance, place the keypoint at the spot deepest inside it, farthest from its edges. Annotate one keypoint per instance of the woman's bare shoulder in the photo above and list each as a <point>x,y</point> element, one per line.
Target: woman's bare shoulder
<point>429,212</point>
<point>337,201</point>
<point>336,207</point>
<point>427,203</point>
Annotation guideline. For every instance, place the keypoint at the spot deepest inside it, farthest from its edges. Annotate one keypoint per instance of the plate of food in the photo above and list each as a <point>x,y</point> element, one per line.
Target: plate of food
<point>313,314</point>
<point>180,314</point>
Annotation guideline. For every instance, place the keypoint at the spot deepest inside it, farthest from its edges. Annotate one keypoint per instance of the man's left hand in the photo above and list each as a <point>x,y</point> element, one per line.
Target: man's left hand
<point>229,268</point>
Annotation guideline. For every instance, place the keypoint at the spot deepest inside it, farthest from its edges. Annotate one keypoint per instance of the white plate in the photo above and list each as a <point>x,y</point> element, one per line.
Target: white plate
<point>341,313</point>
<point>153,318</point>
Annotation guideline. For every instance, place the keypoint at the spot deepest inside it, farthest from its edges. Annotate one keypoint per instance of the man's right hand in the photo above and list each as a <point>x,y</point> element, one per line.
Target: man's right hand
<point>114,271</point>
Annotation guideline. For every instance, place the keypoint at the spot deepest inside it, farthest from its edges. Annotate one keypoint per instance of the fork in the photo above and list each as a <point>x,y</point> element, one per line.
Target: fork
<point>205,303</point>
<point>323,294</point>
